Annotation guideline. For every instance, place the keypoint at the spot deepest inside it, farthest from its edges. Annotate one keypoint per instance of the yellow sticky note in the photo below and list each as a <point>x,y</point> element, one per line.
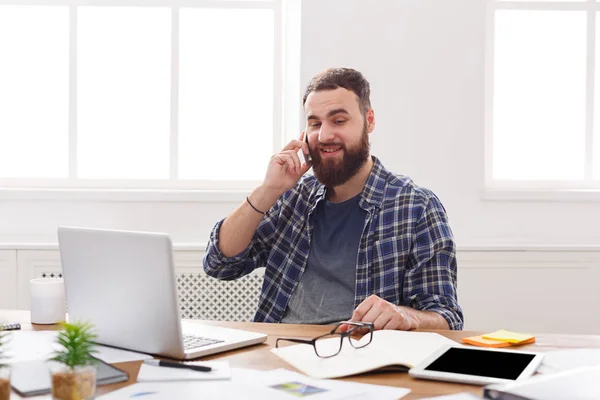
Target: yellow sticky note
<point>480,341</point>
<point>507,336</point>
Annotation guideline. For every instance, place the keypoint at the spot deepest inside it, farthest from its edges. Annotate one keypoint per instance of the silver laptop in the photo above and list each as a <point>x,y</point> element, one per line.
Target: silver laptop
<point>124,283</point>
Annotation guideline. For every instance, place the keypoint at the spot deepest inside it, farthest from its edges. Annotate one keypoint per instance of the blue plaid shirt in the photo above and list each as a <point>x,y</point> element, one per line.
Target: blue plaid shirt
<point>406,253</point>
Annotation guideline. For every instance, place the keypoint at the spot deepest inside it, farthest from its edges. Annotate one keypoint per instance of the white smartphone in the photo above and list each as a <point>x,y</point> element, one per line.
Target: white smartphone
<point>477,366</point>
<point>308,157</point>
<point>305,158</point>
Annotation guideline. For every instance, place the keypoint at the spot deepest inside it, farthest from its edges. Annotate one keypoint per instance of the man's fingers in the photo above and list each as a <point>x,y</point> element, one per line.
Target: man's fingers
<point>383,315</point>
<point>295,145</point>
<point>289,160</point>
<point>393,324</point>
<point>343,328</point>
<point>372,315</point>
<point>354,328</point>
<point>282,159</point>
<point>362,309</point>
<point>295,159</point>
<point>285,161</point>
<point>360,331</point>
<point>357,315</point>
<point>382,320</point>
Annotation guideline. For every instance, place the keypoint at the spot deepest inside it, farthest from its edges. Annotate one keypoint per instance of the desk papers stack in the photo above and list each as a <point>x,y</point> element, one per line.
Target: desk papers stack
<point>579,384</point>
<point>251,384</point>
<point>566,359</point>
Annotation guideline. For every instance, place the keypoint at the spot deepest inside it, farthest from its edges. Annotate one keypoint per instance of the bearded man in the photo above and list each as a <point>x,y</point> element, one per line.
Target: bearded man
<point>353,242</point>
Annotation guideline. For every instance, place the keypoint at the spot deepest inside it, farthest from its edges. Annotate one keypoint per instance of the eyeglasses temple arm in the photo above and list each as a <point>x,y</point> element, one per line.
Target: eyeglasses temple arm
<point>303,341</point>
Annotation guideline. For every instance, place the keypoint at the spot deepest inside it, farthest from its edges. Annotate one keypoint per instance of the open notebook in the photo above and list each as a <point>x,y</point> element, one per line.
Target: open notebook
<point>388,349</point>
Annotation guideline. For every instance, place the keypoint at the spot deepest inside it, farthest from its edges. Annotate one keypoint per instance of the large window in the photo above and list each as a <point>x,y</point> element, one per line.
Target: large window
<point>140,94</point>
<point>543,125</point>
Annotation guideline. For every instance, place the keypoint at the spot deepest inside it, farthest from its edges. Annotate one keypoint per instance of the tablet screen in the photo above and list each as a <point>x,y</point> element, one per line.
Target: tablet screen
<point>492,364</point>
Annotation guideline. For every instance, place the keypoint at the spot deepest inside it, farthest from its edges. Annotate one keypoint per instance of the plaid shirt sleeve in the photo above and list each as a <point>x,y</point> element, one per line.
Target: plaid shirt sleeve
<point>254,256</point>
<point>430,283</point>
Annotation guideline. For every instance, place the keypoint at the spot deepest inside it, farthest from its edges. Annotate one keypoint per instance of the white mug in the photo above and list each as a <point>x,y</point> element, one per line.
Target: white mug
<point>48,303</point>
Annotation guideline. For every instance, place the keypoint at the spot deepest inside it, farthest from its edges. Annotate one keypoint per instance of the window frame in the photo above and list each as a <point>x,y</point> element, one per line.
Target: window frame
<point>286,111</point>
<point>542,190</point>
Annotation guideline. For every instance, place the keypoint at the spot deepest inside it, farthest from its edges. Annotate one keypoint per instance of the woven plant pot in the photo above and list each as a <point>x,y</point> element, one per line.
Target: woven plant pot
<point>5,383</point>
<point>73,384</point>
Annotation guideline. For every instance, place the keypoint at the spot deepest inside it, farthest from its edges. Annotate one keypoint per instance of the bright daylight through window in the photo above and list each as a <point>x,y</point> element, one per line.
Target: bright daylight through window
<point>543,120</point>
<point>176,94</point>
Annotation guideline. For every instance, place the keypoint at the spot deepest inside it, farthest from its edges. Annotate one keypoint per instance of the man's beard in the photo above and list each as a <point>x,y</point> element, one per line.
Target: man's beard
<point>333,173</point>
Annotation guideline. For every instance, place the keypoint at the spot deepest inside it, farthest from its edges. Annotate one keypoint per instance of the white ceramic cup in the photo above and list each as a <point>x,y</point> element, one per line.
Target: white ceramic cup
<point>48,303</point>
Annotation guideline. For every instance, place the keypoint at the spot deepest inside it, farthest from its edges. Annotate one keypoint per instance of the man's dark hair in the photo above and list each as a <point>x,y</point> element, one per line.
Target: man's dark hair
<point>347,78</point>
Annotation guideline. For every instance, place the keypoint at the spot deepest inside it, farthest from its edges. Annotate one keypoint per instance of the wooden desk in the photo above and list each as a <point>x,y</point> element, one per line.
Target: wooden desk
<point>260,357</point>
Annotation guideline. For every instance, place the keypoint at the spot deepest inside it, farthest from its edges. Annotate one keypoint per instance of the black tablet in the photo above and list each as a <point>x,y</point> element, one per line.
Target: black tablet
<point>477,366</point>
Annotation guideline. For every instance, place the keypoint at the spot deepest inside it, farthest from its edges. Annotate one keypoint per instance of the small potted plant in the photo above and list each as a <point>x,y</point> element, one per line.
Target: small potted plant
<point>4,368</point>
<point>73,367</point>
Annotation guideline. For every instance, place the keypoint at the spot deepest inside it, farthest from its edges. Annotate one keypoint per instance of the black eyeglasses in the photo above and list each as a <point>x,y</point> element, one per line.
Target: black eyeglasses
<point>330,344</point>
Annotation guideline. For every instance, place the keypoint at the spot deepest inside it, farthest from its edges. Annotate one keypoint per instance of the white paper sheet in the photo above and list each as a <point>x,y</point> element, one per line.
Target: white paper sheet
<point>457,396</point>
<point>39,345</point>
<point>30,345</point>
<point>561,360</point>
<point>214,390</point>
<point>542,369</point>
<point>151,373</point>
<point>111,355</point>
<point>327,389</point>
<point>264,385</point>
<point>15,396</point>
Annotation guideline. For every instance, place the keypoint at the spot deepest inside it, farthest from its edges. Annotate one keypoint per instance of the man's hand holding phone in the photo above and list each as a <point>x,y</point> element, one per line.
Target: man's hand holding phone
<point>283,172</point>
<point>286,168</point>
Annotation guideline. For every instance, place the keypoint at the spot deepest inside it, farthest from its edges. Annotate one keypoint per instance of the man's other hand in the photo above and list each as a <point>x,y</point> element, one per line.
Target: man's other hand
<point>384,315</point>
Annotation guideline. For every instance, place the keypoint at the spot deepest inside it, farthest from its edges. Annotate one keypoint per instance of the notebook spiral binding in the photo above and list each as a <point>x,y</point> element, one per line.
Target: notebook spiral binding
<point>10,326</point>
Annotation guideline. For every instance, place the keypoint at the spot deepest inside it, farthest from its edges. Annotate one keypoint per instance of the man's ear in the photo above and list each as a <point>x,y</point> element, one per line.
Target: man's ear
<point>370,116</point>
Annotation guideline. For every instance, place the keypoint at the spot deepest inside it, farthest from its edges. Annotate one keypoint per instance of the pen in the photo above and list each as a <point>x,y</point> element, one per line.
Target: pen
<point>171,364</point>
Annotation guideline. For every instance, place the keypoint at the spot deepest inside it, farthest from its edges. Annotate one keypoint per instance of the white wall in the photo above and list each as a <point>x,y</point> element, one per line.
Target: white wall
<point>26,221</point>
<point>425,61</point>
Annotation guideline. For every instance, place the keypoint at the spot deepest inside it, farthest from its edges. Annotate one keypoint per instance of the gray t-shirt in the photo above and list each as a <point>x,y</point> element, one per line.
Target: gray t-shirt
<point>325,293</point>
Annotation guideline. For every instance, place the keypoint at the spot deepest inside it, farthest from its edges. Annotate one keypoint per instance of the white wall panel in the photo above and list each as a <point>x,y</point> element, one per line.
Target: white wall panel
<point>530,291</point>
<point>8,279</point>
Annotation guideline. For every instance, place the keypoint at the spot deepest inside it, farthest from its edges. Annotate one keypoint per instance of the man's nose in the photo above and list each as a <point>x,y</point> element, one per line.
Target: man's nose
<point>326,134</point>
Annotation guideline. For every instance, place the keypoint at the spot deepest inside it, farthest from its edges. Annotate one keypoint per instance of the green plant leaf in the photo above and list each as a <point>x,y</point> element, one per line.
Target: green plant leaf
<point>4,339</point>
<point>77,345</point>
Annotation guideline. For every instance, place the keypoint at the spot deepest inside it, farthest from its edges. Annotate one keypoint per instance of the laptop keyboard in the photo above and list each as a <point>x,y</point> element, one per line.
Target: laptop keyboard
<point>193,342</point>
